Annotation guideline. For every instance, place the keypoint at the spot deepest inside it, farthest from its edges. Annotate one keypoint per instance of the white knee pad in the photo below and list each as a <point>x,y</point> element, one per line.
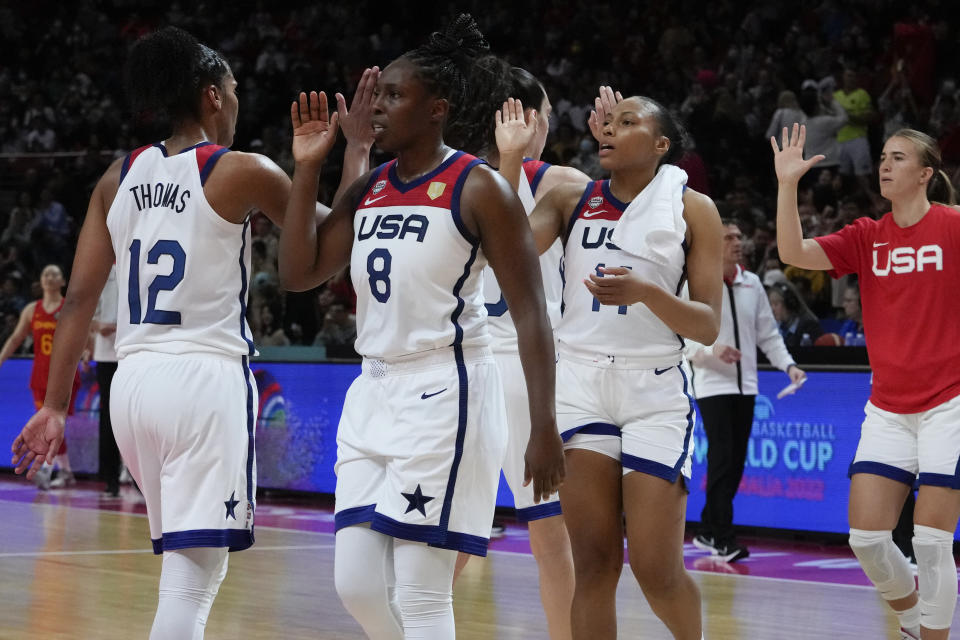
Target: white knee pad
<point>937,573</point>
<point>883,563</point>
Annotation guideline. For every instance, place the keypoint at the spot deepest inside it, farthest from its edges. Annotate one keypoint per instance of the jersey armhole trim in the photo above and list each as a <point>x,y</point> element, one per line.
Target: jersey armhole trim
<point>128,162</point>
<point>455,203</point>
<point>538,176</point>
<point>206,165</point>
<point>576,211</point>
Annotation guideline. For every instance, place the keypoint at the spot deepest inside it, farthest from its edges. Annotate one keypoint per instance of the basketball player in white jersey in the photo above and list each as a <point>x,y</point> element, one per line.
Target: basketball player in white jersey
<point>492,84</point>
<point>175,216</point>
<point>422,435</point>
<point>623,404</point>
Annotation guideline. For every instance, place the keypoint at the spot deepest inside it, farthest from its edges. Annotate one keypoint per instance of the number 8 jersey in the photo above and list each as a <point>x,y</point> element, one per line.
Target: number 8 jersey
<point>182,270</point>
<point>415,266</point>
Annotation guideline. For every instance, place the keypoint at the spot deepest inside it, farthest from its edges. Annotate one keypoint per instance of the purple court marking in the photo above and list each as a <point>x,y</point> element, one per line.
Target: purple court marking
<point>769,558</point>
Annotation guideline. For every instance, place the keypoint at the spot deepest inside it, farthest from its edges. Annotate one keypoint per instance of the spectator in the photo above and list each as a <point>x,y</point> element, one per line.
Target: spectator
<point>852,326</point>
<point>825,118</point>
<point>798,325</point>
<point>855,156</point>
<point>339,332</point>
<point>788,111</point>
<point>271,334</point>
<point>21,217</point>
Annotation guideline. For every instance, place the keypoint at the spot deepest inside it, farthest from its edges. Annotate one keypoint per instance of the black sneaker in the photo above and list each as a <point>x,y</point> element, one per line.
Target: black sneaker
<point>726,551</point>
<point>498,529</point>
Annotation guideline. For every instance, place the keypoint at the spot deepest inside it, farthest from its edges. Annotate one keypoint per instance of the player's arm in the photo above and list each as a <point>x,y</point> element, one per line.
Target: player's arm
<point>790,165</point>
<point>556,176</point>
<point>43,433</point>
<point>697,318</point>
<point>19,334</point>
<point>508,245</point>
<point>311,253</point>
<point>549,218</point>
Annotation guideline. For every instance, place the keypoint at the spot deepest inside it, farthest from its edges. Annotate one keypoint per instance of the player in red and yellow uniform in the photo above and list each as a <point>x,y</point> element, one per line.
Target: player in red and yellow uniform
<point>40,318</point>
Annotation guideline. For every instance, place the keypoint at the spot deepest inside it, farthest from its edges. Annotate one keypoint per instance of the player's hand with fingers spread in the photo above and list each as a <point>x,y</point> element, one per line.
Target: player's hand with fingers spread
<point>355,123</point>
<point>39,441</point>
<point>789,161</point>
<point>314,129</point>
<point>618,286</point>
<point>544,464</point>
<point>513,131</point>
<point>602,105</point>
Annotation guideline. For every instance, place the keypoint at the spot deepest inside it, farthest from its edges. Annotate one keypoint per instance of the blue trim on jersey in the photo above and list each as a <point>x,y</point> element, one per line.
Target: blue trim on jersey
<point>243,288</point>
<point>605,187</point>
<point>124,168</point>
<point>195,146</point>
<point>539,512</point>
<point>251,434</point>
<point>881,469</point>
<point>211,161</point>
<point>430,534</point>
<point>939,480</point>
<point>461,428</point>
<point>576,211</point>
<point>233,539</point>
<point>649,467</point>
<point>455,204</point>
<point>593,428</point>
<point>163,149</point>
<point>352,516</point>
<point>537,177</point>
<point>404,187</point>
<point>455,316</point>
<point>689,433</point>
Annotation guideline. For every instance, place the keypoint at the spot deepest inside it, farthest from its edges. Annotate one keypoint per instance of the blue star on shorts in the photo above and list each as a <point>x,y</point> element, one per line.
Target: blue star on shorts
<point>417,500</point>
<point>231,504</point>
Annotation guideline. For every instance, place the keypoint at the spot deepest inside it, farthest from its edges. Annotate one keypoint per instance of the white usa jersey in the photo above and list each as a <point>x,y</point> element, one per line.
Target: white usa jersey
<point>502,330</point>
<point>589,329</point>
<point>182,270</point>
<point>415,266</point>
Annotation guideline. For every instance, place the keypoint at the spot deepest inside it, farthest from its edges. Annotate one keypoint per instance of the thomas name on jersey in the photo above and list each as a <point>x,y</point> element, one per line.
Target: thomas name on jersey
<point>158,195</point>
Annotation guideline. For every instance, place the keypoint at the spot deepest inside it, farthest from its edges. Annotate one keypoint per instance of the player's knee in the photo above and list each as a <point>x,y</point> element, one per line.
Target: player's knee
<point>420,605</point>
<point>937,573</point>
<point>597,565</point>
<point>883,563</point>
<point>657,574</point>
<point>549,539</point>
<point>360,594</point>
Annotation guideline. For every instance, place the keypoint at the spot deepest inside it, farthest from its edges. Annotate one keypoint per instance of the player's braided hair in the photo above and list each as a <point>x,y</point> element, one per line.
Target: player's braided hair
<point>165,72</point>
<point>488,87</point>
<point>445,62</point>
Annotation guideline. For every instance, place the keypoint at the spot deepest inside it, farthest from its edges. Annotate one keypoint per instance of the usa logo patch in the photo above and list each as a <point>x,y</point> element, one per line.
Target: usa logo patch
<point>377,188</point>
<point>595,201</point>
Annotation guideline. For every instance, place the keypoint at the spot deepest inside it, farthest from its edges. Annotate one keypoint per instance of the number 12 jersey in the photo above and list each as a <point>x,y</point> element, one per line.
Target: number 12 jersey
<point>182,269</point>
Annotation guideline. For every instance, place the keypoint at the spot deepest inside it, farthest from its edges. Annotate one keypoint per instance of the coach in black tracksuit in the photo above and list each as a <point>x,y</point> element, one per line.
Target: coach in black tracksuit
<point>725,385</point>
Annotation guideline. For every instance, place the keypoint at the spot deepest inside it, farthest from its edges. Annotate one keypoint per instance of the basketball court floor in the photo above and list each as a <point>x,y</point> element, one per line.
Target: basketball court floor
<point>76,565</point>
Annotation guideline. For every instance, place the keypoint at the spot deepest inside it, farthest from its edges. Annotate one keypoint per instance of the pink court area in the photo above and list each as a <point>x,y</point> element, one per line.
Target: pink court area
<point>770,558</point>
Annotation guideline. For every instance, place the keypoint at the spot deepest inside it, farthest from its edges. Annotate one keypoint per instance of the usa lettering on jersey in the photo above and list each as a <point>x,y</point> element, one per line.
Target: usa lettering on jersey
<point>905,259</point>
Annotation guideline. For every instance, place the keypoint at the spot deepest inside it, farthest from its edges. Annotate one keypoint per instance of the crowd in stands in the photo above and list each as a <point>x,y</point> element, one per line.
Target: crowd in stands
<point>736,71</point>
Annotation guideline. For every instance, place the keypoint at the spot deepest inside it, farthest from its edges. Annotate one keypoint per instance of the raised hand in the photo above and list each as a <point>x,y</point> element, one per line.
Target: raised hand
<point>38,442</point>
<point>789,161</point>
<point>602,105</point>
<point>355,123</point>
<point>314,129</point>
<point>513,131</point>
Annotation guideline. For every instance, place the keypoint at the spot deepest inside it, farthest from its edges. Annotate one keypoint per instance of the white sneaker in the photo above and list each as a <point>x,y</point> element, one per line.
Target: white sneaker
<point>125,477</point>
<point>63,479</point>
<point>42,478</point>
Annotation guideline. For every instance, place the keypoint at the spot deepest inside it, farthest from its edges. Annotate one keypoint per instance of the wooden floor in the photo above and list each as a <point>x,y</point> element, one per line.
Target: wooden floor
<point>71,573</point>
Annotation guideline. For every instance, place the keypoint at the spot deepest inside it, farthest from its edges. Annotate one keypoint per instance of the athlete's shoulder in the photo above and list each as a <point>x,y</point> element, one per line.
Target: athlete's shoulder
<point>556,175</point>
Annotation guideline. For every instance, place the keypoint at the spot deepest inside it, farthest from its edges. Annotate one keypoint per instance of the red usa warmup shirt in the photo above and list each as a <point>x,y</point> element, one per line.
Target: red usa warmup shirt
<point>910,295</point>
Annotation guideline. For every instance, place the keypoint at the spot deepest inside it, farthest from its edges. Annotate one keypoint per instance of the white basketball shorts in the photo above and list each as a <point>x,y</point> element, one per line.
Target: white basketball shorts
<point>518,427</point>
<point>641,417</point>
<point>419,448</point>
<point>185,427</point>
<point>922,447</point>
